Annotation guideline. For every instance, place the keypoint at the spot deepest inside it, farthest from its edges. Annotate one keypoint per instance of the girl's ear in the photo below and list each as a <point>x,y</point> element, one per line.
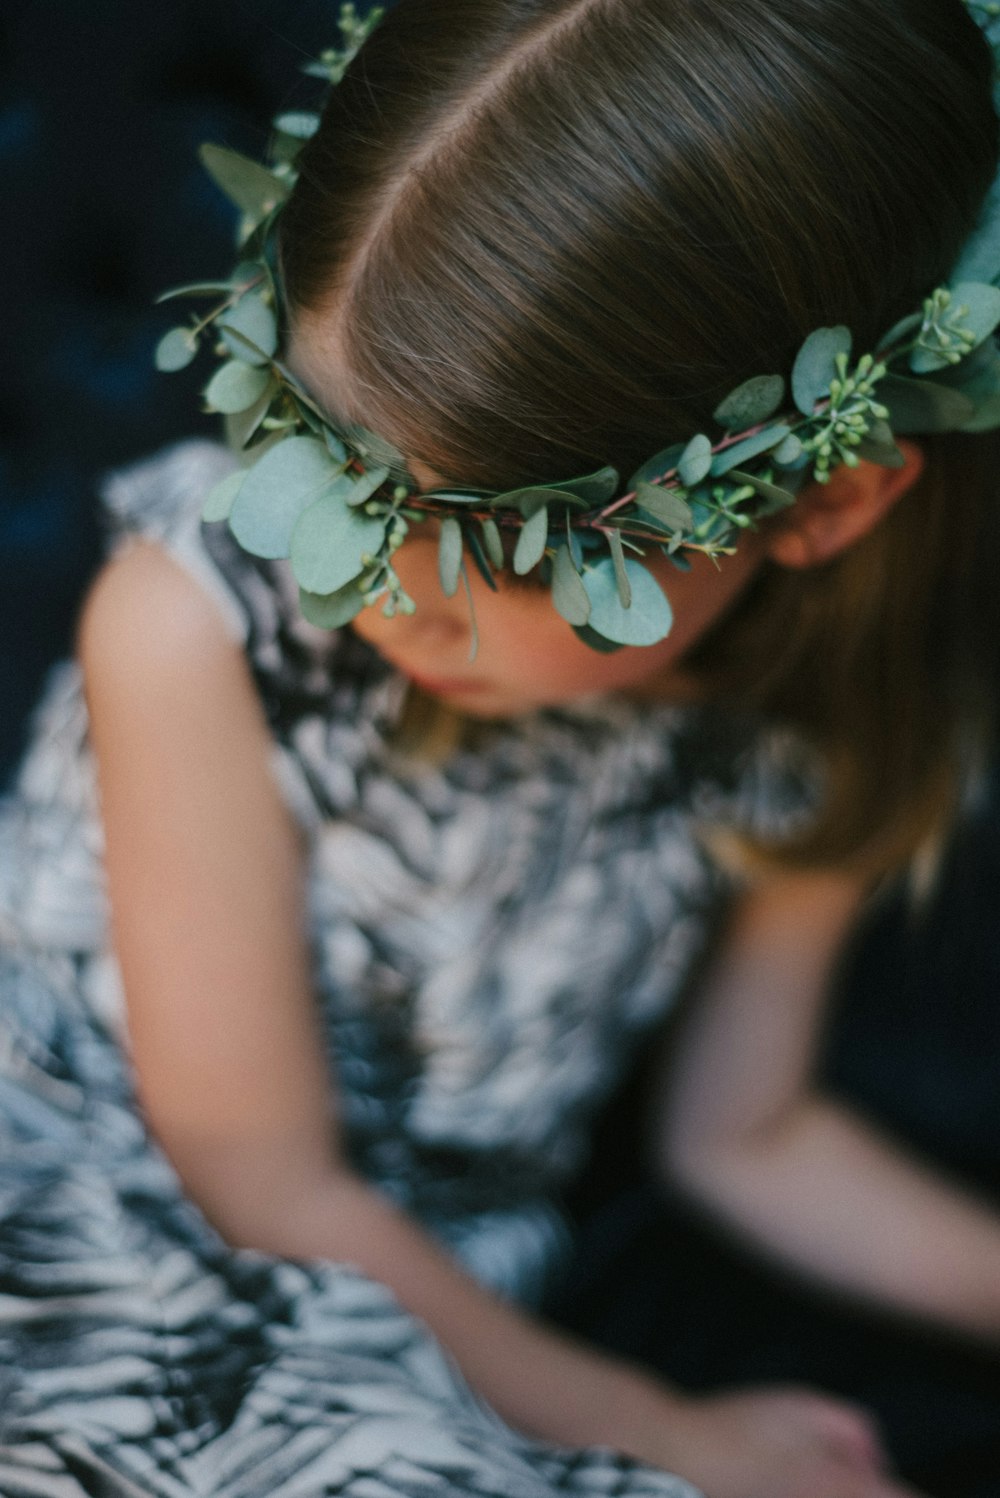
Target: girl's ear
<point>828,518</point>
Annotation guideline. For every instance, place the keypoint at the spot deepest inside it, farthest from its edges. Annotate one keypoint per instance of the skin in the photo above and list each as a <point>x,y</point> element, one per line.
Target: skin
<point>528,656</point>
<point>223,1027</point>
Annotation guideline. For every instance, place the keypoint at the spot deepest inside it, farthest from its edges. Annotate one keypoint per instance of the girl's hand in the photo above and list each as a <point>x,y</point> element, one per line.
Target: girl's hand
<point>778,1443</point>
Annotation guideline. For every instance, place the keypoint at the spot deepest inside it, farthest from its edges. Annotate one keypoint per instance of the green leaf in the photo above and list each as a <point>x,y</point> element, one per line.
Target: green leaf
<point>621,575</point>
<point>493,542</point>
<point>816,366</point>
<point>597,642</point>
<point>594,488</point>
<point>332,610</point>
<point>364,485</point>
<point>242,426</point>
<point>789,453</point>
<point>482,561</point>
<point>335,447</point>
<point>901,330</point>
<point>750,447</point>
<point>278,488</point>
<point>657,466</point>
<point>923,406</point>
<point>696,461</point>
<point>569,595</point>
<point>236,387</point>
<point>666,505</point>
<point>531,542</point>
<point>646,621</point>
<point>372,448</point>
<point>195,288</point>
<point>254,319</point>
<point>980,257</point>
<point>987,416</point>
<point>777,498</point>
<point>254,190</point>
<point>754,402</point>
<point>983,302</point>
<point>450,556</point>
<point>879,446</point>
<point>333,544</point>
<point>875,452</point>
<point>220,498</point>
<point>575,546</point>
<point>928,361</point>
<point>534,498</point>
<point>461,496</point>
<point>302,124</point>
<point>175,350</point>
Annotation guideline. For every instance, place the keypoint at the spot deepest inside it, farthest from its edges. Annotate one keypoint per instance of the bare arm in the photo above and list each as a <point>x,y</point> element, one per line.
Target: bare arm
<point>205,876</point>
<point>744,1130</point>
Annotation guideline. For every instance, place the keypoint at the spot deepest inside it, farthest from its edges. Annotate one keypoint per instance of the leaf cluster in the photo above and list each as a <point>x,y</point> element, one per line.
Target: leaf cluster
<point>337,502</point>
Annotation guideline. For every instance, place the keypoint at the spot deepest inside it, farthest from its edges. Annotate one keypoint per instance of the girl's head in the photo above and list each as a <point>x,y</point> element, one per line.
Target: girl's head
<point>536,236</point>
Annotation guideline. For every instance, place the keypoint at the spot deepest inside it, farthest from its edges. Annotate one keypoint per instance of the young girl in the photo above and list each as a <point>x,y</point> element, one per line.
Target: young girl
<point>386,920</point>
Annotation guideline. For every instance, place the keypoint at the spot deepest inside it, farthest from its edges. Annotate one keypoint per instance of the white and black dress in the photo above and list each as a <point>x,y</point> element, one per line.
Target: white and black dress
<point>491,938</point>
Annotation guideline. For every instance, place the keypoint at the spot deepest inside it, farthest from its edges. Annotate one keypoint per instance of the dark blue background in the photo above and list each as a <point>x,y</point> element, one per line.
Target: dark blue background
<point>103,104</point>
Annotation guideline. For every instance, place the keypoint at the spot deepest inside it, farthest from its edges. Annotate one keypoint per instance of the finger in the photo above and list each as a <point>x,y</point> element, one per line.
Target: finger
<point>852,1433</point>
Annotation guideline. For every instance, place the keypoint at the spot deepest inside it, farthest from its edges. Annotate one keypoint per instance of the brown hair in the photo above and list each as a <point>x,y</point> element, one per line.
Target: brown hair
<point>553,233</point>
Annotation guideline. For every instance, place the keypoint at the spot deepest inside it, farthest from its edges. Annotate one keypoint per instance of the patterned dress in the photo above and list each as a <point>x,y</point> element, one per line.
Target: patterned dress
<point>491,938</point>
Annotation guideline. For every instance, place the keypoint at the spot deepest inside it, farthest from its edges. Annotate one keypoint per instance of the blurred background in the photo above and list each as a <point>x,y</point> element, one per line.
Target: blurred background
<point>102,106</point>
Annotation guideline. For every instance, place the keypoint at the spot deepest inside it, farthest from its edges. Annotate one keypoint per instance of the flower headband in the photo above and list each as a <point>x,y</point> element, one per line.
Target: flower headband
<point>337,500</point>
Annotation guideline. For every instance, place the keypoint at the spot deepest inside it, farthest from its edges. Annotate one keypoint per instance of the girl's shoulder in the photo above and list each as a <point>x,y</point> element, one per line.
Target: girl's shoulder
<point>160,499</point>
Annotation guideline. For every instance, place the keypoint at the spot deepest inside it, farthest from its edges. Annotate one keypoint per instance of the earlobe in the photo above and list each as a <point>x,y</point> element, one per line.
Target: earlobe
<point>827,519</point>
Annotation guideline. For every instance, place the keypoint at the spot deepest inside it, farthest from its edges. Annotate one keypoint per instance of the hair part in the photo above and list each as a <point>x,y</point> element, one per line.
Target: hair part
<point>551,234</point>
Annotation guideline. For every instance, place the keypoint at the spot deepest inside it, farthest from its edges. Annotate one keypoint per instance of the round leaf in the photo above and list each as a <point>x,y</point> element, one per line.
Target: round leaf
<point>531,542</point>
<point>650,616</point>
<point>278,488</point>
<point>754,402</point>
<point>236,387</point>
<point>175,350</point>
<point>789,453</point>
<point>299,123</point>
<point>220,499</point>
<point>333,544</point>
<point>983,303</point>
<point>252,317</point>
<point>569,596</point>
<point>331,610</point>
<point>816,366</point>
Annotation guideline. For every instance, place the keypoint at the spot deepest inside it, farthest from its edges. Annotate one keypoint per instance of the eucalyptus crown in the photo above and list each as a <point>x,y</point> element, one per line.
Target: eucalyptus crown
<point>337,500</point>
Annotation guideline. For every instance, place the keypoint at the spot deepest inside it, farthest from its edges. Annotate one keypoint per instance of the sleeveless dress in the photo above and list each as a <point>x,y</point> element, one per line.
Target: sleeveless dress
<point>491,939</point>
